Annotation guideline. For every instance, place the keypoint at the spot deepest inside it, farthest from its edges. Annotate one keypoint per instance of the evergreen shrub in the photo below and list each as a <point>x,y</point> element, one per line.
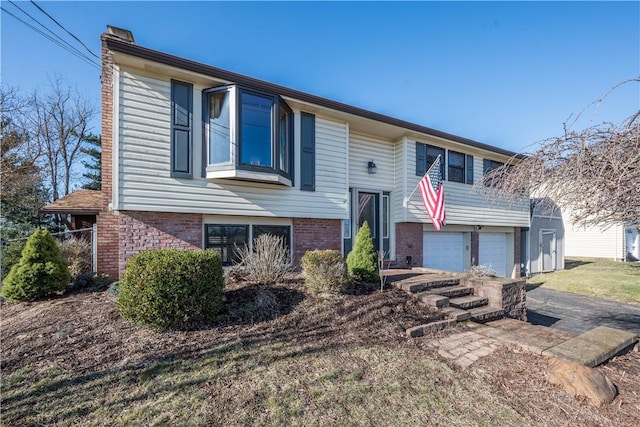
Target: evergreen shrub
<point>362,261</point>
<point>40,272</point>
<point>170,288</point>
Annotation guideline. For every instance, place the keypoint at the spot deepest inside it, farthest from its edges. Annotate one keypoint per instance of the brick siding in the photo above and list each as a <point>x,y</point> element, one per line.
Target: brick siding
<point>409,243</point>
<point>516,253</point>
<point>310,234</point>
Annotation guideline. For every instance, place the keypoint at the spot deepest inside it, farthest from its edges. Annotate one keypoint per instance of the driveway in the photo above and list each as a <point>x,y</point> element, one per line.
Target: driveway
<point>577,314</point>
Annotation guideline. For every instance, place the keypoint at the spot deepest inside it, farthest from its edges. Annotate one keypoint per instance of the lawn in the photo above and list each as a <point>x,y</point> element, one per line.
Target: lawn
<point>619,281</point>
<point>315,361</point>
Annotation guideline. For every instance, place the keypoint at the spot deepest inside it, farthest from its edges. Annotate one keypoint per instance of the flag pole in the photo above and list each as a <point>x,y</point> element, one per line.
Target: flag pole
<point>406,200</point>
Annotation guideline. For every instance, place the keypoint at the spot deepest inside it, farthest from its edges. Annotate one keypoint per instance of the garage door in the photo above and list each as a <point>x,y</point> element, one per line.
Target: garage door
<point>443,251</point>
<point>493,252</point>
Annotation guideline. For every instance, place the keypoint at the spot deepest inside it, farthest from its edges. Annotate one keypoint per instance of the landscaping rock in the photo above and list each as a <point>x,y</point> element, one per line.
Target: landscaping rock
<point>580,380</point>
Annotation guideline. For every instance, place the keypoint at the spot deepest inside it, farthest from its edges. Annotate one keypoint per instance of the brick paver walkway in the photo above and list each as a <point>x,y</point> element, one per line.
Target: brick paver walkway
<point>465,348</point>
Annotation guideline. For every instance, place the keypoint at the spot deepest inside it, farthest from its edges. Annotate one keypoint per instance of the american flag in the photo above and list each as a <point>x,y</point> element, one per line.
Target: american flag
<point>433,194</point>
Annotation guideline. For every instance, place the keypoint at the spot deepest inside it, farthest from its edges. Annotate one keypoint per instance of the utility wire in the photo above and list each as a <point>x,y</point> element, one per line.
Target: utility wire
<point>53,40</point>
<point>77,52</point>
<point>67,31</point>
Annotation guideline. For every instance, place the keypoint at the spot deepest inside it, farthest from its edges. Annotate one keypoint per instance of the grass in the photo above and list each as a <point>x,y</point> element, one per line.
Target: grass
<point>272,384</point>
<point>619,281</point>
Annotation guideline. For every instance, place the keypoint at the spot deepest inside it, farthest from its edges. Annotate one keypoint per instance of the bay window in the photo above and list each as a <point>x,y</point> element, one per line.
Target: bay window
<point>249,135</point>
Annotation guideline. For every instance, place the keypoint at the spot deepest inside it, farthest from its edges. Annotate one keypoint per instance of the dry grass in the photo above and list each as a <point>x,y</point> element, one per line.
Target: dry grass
<point>323,361</point>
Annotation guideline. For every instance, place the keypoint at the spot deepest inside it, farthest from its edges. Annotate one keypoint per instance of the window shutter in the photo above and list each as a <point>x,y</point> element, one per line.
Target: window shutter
<point>307,152</point>
<point>181,129</point>
<point>421,159</point>
<point>469,166</point>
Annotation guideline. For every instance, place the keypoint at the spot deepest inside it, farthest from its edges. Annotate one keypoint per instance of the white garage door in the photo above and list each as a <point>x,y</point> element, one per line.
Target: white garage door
<point>442,251</point>
<point>493,252</point>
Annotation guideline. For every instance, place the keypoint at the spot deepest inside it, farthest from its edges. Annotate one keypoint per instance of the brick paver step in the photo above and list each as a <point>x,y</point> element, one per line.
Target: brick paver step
<point>452,291</point>
<point>456,314</point>
<point>427,281</point>
<point>486,313</point>
<point>468,302</point>
<point>433,300</point>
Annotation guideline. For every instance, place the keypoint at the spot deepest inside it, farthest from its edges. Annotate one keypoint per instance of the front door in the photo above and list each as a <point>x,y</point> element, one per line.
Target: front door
<point>369,211</point>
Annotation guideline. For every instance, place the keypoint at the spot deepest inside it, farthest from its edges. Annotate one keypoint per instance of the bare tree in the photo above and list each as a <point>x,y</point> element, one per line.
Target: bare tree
<point>60,125</point>
<point>595,173</point>
<point>21,189</point>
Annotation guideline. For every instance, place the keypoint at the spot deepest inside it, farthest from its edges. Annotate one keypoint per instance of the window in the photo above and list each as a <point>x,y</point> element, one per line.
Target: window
<point>181,129</point>
<point>426,155</point>
<point>488,166</point>
<point>250,135</point>
<point>455,168</point>
<point>460,167</point>
<point>226,239</point>
<point>283,231</point>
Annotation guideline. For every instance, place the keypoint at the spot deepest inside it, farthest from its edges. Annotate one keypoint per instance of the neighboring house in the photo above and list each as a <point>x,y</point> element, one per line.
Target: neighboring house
<point>617,242</point>
<point>198,157</point>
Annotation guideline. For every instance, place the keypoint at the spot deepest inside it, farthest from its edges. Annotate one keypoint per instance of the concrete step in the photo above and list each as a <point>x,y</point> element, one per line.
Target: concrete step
<point>452,291</point>
<point>486,313</point>
<point>593,347</point>
<point>468,302</point>
<point>456,314</point>
<point>433,300</point>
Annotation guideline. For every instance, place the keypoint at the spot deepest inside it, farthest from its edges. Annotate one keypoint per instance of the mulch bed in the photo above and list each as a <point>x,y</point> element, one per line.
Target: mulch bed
<point>84,331</point>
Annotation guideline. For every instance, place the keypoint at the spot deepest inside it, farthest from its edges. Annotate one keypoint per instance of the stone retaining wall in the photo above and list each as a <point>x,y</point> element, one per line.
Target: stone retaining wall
<point>509,294</point>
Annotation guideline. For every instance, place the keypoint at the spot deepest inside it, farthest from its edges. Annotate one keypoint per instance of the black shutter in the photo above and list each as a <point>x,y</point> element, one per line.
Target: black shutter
<point>421,159</point>
<point>181,132</point>
<point>307,152</point>
<point>469,165</point>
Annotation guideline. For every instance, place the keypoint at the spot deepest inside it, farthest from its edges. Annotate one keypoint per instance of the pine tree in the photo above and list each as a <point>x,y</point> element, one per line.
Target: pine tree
<point>94,168</point>
<point>362,261</point>
<point>40,272</point>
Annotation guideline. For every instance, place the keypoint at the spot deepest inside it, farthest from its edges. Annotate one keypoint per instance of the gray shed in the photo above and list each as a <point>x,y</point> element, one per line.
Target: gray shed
<point>545,238</point>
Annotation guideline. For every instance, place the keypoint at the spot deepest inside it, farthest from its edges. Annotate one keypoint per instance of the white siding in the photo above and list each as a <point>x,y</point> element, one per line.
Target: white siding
<point>594,242</point>
<point>144,181</point>
<point>362,150</point>
<point>464,205</point>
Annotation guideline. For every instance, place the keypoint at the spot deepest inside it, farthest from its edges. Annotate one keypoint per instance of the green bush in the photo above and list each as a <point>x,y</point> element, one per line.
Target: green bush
<point>91,282</point>
<point>11,255</point>
<point>325,271</point>
<point>362,261</point>
<point>40,272</point>
<point>171,288</point>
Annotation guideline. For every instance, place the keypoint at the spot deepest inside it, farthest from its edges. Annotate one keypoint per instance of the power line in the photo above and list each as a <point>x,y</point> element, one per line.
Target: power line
<point>47,36</point>
<point>77,52</point>
<point>67,31</point>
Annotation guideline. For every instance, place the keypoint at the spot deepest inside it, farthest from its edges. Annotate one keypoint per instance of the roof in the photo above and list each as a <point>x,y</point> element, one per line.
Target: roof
<point>80,202</point>
<point>117,44</point>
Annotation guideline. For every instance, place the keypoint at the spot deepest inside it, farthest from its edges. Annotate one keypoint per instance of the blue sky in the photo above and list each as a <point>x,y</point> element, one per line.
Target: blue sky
<point>503,73</point>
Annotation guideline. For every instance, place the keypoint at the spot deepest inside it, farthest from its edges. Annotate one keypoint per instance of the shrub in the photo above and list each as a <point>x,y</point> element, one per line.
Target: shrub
<point>170,288</point>
<point>482,271</point>
<point>40,272</point>
<point>77,253</point>
<point>362,261</point>
<point>325,271</point>
<point>268,262</point>
<point>11,255</point>
<point>114,288</point>
<point>90,281</point>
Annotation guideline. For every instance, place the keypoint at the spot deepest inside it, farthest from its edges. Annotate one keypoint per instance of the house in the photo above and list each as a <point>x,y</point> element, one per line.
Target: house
<point>194,156</point>
<point>617,242</point>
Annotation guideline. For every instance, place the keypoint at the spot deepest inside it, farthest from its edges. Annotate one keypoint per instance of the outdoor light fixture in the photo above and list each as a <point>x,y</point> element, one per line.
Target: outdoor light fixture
<point>371,167</point>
